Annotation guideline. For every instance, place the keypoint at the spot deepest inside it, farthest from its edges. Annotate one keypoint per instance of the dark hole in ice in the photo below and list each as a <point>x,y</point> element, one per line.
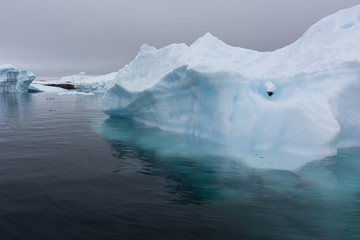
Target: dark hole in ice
<point>270,93</point>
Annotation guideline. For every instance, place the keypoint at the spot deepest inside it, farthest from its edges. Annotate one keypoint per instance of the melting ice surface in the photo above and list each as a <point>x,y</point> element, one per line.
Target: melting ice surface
<point>220,93</point>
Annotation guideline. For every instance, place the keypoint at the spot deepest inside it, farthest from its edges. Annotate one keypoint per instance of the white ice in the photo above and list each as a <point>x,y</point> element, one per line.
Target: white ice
<point>85,83</point>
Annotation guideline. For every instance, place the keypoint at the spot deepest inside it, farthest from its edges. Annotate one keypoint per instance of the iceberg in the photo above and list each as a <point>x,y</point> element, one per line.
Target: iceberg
<point>81,82</point>
<point>85,83</point>
<point>300,99</point>
<point>14,80</point>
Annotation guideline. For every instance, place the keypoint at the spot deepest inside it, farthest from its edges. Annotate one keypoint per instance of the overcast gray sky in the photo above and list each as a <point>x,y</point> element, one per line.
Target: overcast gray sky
<point>63,37</point>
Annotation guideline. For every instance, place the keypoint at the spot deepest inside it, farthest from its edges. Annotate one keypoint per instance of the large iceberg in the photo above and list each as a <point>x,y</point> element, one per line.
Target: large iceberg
<point>302,99</point>
<point>14,80</point>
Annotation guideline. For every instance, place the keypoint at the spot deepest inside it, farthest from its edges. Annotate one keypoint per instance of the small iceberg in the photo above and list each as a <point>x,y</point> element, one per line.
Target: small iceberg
<point>14,80</point>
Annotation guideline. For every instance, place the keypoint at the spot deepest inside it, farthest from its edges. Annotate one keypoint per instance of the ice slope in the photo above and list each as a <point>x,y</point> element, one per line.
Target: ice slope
<point>14,80</point>
<point>219,92</point>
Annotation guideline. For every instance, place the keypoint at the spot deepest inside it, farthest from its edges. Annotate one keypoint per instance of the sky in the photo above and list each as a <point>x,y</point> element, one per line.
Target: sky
<point>55,38</point>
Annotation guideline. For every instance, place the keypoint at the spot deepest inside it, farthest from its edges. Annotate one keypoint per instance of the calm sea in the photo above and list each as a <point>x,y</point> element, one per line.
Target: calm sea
<point>68,171</point>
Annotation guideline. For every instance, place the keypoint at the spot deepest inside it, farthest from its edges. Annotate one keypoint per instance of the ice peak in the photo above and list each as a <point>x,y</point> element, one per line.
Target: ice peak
<point>207,40</point>
<point>208,35</point>
<point>146,48</point>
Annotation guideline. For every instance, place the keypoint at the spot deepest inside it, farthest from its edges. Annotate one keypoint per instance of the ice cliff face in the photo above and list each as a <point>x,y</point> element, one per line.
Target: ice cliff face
<point>14,80</point>
<point>221,93</point>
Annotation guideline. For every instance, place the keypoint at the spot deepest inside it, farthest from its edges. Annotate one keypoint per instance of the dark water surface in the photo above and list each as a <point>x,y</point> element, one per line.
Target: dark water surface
<point>67,171</point>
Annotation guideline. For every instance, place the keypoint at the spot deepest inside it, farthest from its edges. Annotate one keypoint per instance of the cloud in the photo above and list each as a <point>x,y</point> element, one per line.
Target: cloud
<point>61,37</point>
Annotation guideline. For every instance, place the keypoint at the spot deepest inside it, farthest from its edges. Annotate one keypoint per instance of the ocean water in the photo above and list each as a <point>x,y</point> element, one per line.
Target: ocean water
<point>68,171</point>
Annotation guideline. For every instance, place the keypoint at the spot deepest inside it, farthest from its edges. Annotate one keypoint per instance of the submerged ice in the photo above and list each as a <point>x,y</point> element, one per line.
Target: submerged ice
<point>222,93</point>
<point>14,80</point>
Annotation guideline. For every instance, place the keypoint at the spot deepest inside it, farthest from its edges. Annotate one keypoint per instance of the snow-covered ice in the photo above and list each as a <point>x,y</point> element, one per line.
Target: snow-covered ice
<point>14,80</point>
<point>81,82</point>
<point>219,92</point>
<point>84,83</point>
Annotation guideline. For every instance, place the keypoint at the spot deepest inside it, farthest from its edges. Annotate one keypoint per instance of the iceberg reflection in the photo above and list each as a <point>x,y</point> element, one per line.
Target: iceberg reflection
<point>318,200</point>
